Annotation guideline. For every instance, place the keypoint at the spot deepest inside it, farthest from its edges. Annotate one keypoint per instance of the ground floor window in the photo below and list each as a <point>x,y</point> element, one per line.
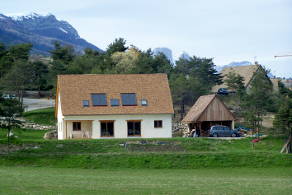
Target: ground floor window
<point>106,128</point>
<point>134,128</point>
<point>158,124</point>
<point>76,126</point>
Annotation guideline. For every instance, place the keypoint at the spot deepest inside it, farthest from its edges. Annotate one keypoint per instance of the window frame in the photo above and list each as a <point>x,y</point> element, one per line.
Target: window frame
<point>122,102</point>
<point>87,105</point>
<point>158,123</point>
<point>134,122</point>
<point>115,99</point>
<point>78,124</point>
<point>99,94</point>
<point>106,122</point>
<point>145,101</point>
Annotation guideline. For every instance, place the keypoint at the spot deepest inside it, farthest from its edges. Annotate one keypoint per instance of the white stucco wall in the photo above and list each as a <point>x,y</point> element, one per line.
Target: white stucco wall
<point>86,129</point>
<point>120,125</point>
<point>60,118</point>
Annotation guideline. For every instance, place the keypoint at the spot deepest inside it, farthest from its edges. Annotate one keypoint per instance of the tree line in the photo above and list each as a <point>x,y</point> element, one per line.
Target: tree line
<point>189,78</point>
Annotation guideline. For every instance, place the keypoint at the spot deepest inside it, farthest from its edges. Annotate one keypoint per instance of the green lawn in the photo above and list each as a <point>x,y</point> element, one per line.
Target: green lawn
<point>140,166</point>
<point>29,149</point>
<point>43,116</point>
<point>28,180</point>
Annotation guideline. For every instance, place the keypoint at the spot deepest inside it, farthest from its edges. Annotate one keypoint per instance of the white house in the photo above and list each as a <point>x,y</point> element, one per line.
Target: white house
<point>113,106</point>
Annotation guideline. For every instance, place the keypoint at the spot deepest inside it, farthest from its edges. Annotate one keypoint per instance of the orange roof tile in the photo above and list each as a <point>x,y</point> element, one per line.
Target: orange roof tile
<point>153,87</point>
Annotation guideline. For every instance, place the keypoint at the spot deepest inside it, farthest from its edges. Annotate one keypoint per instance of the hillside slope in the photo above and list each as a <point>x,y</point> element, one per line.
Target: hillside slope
<point>42,32</point>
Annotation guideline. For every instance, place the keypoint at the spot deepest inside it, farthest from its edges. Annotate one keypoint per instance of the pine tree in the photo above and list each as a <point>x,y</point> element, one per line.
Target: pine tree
<point>258,99</point>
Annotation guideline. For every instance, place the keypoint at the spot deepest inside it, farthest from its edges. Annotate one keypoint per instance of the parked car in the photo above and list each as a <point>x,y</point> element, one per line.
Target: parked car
<point>243,129</point>
<point>8,96</point>
<point>223,131</point>
<point>224,91</point>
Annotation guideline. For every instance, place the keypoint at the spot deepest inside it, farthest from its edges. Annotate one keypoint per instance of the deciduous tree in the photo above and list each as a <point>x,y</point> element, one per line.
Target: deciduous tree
<point>9,108</point>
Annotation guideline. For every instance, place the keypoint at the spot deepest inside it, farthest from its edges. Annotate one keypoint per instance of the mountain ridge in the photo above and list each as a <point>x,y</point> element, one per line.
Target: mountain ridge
<point>41,31</point>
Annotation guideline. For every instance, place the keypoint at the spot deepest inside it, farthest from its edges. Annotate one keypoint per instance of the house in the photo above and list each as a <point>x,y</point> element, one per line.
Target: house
<point>113,106</point>
<point>247,72</point>
<point>208,110</point>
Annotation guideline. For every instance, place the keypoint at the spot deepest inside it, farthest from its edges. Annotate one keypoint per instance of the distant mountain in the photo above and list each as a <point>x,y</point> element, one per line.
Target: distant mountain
<point>232,64</point>
<point>185,56</point>
<point>166,51</point>
<point>42,32</point>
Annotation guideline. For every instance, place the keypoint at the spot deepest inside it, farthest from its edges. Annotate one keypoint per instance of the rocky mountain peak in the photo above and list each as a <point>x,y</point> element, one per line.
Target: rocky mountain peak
<point>42,31</point>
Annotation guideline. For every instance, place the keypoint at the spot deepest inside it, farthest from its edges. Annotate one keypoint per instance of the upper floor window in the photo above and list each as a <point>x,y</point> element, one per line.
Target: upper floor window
<point>85,103</point>
<point>98,99</point>
<point>115,102</point>
<point>129,99</point>
<point>144,102</point>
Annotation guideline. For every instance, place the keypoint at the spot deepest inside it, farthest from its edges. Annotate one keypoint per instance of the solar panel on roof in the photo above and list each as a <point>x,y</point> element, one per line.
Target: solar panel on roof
<point>115,102</point>
<point>129,99</point>
<point>98,99</point>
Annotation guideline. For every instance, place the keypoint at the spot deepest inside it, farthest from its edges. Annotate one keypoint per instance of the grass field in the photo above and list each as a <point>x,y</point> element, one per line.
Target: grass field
<point>28,180</point>
<point>43,116</point>
<point>29,149</point>
<point>140,166</point>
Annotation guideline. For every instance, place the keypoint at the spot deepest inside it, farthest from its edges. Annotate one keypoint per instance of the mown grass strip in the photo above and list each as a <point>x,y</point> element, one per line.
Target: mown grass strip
<point>150,160</point>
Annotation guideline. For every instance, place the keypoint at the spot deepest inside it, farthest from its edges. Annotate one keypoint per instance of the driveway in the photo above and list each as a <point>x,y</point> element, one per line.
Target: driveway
<point>34,104</point>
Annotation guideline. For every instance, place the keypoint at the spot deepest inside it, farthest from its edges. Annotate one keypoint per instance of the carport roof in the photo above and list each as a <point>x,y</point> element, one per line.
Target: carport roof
<point>208,108</point>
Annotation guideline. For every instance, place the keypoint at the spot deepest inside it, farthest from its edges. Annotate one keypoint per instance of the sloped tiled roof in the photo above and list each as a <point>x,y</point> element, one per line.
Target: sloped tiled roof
<point>153,87</point>
<point>198,108</point>
<point>246,72</point>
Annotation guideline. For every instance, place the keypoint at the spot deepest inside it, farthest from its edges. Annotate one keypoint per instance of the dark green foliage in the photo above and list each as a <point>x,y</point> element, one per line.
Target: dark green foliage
<point>192,78</point>
<point>10,56</point>
<point>65,54</point>
<point>18,78</point>
<point>19,52</point>
<point>39,74</point>
<point>235,82</point>
<point>119,45</point>
<point>9,108</point>
<point>188,79</point>
<point>284,91</point>
<point>258,99</point>
<point>15,70</point>
<point>283,118</point>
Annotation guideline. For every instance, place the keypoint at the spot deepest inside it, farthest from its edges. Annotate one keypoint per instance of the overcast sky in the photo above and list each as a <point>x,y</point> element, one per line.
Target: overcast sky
<point>226,30</point>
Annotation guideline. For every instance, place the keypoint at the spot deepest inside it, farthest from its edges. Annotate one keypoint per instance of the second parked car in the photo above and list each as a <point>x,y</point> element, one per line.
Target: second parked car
<point>223,131</point>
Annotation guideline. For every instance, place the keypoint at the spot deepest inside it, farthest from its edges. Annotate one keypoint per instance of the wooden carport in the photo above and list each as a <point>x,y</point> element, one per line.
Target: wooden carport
<point>208,110</point>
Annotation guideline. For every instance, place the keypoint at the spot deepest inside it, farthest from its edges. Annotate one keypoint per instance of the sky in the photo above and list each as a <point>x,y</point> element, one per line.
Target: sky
<point>225,30</point>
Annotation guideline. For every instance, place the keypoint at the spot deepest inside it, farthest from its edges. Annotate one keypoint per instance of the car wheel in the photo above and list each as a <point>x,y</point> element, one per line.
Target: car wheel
<point>233,135</point>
